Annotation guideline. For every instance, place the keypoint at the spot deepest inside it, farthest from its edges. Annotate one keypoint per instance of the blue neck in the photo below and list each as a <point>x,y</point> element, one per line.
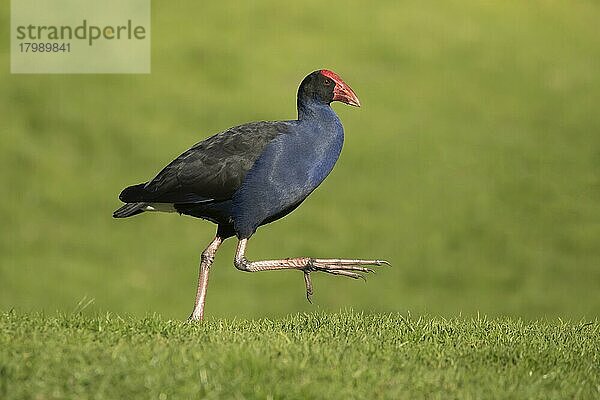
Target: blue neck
<point>320,126</point>
<point>321,116</point>
<point>310,109</point>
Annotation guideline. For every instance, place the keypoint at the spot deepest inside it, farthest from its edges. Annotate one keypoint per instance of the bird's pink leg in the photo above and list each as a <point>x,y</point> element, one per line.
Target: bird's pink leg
<point>335,266</point>
<point>206,259</point>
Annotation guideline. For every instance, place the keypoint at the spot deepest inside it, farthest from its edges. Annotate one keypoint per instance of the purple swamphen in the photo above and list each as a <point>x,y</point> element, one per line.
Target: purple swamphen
<point>253,174</point>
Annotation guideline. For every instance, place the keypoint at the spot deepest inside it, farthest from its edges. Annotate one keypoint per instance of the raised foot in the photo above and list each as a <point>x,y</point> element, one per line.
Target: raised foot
<point>343,267</point>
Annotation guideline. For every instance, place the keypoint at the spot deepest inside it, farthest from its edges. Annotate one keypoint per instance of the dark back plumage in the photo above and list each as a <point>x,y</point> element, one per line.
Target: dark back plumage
<point>211,170</point>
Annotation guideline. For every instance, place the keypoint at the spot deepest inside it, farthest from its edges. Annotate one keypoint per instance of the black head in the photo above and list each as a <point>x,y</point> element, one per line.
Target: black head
<point>324,86</point>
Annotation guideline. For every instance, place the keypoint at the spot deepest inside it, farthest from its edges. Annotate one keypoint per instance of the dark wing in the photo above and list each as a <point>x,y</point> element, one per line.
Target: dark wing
<point>212,170</point>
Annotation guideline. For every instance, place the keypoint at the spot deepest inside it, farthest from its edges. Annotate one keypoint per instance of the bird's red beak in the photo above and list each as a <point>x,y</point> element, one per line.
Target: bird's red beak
<point>342,92</point>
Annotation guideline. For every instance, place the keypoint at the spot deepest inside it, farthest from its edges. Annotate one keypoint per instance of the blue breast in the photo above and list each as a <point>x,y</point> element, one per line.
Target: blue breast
<point>290,168</point>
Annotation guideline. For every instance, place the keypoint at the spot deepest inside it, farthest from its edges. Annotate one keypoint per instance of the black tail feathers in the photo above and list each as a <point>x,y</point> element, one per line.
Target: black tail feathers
<point>130,209</point>
<point>134,197</point>
<point>133,194</point>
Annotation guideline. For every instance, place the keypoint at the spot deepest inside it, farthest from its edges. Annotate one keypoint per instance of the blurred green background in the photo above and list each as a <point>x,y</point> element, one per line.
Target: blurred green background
<point>473,165</point>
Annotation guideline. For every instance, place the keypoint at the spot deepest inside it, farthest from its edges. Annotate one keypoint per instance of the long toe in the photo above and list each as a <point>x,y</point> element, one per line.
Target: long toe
<point>309,287</point>
<point>326,267</point>
<point>349,274</point>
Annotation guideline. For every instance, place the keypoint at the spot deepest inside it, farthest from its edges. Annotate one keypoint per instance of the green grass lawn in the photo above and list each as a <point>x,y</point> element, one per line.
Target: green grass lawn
<point>306,356</point>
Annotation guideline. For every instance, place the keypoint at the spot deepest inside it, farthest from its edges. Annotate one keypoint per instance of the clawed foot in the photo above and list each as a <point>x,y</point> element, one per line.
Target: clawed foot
<point>350,268</point>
